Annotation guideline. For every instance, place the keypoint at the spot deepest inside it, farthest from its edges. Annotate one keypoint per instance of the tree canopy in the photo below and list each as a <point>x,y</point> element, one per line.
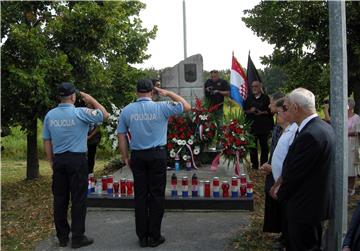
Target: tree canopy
<point>89,43</point>
<point>300,33</point>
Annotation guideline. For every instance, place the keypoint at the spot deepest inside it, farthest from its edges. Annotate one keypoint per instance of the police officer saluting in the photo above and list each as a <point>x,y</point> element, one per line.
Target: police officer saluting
<point>147,122</point>
<point>65,141</point>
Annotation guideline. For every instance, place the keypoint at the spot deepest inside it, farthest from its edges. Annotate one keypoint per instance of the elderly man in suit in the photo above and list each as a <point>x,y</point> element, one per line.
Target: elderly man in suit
<point>306,188</point>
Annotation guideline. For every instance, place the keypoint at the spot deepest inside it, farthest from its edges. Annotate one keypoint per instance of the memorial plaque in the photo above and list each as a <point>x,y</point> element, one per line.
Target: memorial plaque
<point>190,72</point>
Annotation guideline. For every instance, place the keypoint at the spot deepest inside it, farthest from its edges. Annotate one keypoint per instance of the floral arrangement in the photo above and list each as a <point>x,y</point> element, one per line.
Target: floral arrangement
<point>187,135</point>
<point>202,116</point>
<point>235,140</point>
<point>181,139</point>
<point>111,126</point>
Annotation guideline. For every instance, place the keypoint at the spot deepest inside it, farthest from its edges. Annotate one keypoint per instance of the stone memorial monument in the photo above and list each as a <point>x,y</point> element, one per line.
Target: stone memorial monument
<point>185,78</point>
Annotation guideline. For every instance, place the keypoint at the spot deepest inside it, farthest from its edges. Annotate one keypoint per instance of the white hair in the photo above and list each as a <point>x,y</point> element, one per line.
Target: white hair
<point>303,98</point>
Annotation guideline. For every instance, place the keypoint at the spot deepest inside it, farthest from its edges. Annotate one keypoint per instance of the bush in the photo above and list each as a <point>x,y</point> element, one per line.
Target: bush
<point>13,146</point>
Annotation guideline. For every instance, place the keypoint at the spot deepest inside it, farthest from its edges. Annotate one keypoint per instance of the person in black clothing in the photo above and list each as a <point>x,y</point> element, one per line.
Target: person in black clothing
<point>352,237</point>
<point>215,91</point>
<point>257,112</point>
<point>272,211</point>
<point>305,188</point>
<point>94,137</point>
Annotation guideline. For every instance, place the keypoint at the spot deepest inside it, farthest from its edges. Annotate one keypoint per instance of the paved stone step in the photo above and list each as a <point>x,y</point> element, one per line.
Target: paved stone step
<point>114,201</point>
<point>203,173</point>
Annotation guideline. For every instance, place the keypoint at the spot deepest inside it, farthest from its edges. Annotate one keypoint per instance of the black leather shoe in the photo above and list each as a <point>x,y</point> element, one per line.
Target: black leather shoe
<point>156,242</point>
<point>143,242</point>
<point>63,243</point>
<point>84,241</point>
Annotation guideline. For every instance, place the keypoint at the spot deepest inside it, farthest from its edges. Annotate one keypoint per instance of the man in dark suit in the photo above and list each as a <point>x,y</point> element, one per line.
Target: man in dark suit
<point>306,188</point>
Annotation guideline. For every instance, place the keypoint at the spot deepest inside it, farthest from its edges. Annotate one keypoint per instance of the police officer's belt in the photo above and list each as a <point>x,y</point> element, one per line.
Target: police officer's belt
<point>70,153</point>
<point>151,149</point>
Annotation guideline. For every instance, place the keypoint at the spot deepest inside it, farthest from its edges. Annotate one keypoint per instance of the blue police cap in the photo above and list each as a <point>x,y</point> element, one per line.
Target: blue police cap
<point>144,85</point>
<point>66,89</point>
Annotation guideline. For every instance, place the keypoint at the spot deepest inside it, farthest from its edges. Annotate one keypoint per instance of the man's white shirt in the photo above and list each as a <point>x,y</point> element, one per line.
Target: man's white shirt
<point>282,148</point>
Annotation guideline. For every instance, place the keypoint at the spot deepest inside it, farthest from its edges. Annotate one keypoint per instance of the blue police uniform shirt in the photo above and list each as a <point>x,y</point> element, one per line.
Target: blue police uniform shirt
<point>147,122</point>
<point>67,127</point>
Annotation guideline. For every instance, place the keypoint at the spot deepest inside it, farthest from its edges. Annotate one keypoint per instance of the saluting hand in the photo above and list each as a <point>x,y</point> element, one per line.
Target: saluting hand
<point>161,92</point>
<point>86,97</point>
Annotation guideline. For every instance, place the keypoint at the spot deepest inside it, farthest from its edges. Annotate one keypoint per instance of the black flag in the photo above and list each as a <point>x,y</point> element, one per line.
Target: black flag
<point>251,72</point>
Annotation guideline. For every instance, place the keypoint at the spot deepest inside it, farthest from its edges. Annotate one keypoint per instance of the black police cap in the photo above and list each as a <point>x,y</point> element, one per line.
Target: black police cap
<point>144,85</point>
<point>66,89</point>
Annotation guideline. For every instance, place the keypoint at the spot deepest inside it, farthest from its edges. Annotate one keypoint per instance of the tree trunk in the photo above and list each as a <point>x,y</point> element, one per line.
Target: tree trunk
<point>32,168</point>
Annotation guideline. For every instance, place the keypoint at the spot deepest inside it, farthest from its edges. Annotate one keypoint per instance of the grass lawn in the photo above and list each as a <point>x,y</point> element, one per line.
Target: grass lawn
<point>26,206</point>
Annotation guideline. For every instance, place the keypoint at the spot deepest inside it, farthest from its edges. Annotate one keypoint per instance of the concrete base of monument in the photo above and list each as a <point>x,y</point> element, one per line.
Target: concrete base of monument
<point>201,203</point>
<point>224,173</point>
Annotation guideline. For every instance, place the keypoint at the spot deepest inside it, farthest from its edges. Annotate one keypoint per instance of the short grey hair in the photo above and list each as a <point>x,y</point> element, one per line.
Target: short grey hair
<point>303,98</point>
<point>351,103</point>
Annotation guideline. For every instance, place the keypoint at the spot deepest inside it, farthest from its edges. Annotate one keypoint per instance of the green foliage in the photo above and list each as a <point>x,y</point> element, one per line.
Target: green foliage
<point>235,137</point>
<point>151,73</point>
<point>114,164</point>
<point>14,145</point>
<point>45,43</point>
<point>300,33</point>
<point>274,79</point>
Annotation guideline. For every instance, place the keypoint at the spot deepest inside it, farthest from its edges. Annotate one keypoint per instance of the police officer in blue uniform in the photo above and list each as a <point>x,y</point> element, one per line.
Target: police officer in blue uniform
<point>147,120</point>
<point>65,132</point>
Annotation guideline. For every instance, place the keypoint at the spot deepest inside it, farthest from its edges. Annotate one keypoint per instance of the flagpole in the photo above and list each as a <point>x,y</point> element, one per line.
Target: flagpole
<point>184,30</point>
<point>229,103</point>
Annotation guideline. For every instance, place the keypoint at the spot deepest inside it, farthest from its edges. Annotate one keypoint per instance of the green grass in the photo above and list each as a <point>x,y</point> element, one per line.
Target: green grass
<point>26,206</point>
<point>14,145</point>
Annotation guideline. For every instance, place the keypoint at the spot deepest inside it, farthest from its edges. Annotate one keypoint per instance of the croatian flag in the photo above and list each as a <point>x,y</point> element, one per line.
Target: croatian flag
<point>238,83</point>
